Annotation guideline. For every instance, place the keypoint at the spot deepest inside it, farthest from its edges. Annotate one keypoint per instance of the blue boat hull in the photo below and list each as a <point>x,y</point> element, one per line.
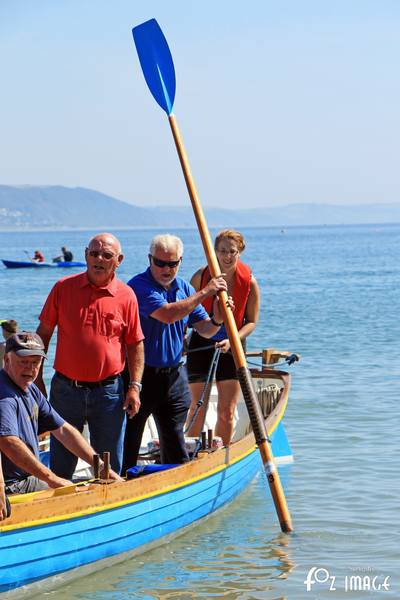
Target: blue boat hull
<point>57,535</point>
<point>57,548</point>
<point>28,264</point>
<point>31,554</point>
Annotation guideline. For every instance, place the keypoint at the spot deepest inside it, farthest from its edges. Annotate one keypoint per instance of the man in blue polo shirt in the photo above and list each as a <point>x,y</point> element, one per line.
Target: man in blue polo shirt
<point>24,414</point>
<point>167,305</point>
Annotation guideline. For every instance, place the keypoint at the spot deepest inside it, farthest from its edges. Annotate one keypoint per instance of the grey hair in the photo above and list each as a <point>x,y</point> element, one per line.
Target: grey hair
<point>166,242</point>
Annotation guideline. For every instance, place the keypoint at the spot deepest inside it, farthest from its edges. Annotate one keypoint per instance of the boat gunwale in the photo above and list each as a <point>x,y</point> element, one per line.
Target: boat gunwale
<point>101,498</point>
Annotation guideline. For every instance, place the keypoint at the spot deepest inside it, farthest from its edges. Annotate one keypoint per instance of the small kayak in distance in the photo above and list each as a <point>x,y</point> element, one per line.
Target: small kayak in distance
<point>26,264</point>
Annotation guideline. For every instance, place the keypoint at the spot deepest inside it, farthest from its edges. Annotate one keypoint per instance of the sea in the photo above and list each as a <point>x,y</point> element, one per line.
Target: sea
<point>332,295</point>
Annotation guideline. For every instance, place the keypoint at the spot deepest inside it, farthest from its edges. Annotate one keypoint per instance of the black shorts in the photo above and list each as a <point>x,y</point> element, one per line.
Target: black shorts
<point>198,363</point>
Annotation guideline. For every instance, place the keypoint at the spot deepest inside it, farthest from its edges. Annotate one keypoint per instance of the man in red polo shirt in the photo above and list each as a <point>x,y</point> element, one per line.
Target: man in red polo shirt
<point>98,326</point>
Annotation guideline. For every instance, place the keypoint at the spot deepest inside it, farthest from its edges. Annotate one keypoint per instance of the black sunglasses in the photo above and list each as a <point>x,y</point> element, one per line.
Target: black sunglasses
<point>172,264</point>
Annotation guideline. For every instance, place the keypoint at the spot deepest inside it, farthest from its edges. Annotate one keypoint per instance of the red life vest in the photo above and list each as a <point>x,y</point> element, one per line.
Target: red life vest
<point>240,294</point>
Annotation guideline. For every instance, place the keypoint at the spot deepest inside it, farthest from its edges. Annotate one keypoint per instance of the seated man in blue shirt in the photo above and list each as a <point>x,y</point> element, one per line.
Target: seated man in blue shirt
<point>24,414</point>
<point>167,305</point>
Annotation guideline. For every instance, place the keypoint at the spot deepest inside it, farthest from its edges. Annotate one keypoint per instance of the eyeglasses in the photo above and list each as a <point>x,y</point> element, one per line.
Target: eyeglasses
<point>96,253</point>
<point>228,252</point>
<point>172,264</point>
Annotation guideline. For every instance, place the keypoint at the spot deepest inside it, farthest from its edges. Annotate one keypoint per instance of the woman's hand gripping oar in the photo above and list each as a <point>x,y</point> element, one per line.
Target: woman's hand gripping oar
<point>158,69</point>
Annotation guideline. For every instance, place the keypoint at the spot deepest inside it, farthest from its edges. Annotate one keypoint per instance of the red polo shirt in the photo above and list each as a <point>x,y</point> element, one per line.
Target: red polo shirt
<point>94,326</point>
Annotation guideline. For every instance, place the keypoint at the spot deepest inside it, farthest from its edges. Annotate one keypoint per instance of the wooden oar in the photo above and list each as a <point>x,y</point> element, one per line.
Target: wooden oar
<point>158,69</point>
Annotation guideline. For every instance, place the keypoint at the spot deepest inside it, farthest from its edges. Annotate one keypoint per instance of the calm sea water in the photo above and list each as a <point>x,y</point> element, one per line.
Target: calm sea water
<point>332,295</point>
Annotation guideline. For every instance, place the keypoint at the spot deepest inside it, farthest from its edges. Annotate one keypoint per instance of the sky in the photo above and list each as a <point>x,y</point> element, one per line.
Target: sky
<point>278,102</point>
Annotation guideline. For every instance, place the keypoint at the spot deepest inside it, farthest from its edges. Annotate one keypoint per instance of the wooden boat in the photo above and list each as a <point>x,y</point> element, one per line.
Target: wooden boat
<point>30,264</point>
<point>56,535</point>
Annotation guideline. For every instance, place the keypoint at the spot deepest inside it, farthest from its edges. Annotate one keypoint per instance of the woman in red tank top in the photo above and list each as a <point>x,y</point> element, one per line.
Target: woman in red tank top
<point>243,287</point>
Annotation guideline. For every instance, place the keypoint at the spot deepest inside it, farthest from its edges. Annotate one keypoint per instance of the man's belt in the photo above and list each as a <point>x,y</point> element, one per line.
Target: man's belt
<point>88,384</point>
<point>162,370</point>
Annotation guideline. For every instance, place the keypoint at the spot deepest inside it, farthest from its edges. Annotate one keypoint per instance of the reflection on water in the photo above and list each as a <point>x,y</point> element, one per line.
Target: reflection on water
<point>237,553</point>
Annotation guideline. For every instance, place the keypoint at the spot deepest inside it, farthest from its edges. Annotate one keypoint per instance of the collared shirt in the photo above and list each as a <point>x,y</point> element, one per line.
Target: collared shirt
<point>163,342</point>
<point>94,326</point>
<point>23,414</point>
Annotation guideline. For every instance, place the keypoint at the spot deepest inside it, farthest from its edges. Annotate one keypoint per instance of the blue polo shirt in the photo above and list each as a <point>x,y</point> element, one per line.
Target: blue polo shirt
<point>24,415</point>
<point>163,342</point>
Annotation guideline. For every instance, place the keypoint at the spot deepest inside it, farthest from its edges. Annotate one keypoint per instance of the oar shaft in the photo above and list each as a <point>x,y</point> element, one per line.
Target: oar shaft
<point>260,433</point>
<point>194,197</point>
<point>253,407</point>
<point>230,325</point>
<point>275,486</point>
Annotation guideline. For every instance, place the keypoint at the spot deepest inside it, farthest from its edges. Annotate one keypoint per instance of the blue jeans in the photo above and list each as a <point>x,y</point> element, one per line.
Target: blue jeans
<point>101,408</point>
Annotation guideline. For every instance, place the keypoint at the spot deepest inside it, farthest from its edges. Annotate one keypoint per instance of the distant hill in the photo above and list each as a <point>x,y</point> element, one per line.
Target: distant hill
<point>58,207</point>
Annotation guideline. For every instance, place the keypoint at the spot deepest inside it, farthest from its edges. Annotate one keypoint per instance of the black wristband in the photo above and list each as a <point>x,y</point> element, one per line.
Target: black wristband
<point>214,322</point>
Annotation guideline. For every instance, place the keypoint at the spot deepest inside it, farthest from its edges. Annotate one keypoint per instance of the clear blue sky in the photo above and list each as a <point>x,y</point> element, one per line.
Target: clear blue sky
<point>278,101</point>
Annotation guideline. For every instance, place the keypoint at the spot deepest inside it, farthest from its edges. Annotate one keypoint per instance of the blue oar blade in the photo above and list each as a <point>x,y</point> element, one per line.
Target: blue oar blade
<point>156,62</point>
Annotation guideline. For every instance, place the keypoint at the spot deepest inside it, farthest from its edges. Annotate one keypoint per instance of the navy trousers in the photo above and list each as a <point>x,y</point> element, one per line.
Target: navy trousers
<point>165,395</point>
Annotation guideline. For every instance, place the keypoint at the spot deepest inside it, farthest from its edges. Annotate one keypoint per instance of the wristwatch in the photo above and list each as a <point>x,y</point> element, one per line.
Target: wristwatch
<point>136,384</point>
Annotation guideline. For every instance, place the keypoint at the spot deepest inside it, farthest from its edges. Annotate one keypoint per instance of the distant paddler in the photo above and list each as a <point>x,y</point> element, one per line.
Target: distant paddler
<point>38,257</point>
<point>65,256</point>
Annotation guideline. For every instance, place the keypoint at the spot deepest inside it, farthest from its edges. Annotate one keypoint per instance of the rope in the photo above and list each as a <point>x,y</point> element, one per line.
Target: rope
<point>199,349</point>
<point>264,365</point>
<point>210,377</point>
<point>289,361</point>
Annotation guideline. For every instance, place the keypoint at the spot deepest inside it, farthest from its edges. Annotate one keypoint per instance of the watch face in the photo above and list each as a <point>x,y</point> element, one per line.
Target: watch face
<point>136,384</point>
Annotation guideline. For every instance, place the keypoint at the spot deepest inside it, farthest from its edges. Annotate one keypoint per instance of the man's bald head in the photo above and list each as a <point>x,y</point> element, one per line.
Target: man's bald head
<point>103,256</point>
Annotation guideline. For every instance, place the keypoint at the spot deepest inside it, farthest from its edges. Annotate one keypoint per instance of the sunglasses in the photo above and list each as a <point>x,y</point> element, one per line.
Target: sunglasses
<point>172,264</point>
<point>96,253</point>
<point>228,252</point>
